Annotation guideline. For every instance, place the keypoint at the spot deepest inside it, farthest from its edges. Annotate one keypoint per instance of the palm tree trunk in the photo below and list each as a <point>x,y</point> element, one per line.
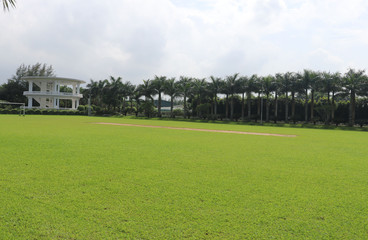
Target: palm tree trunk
<point>159,104</point>
<point>249,105</point>
<point>242,113</point>
<point>185,106</point>
<point>312,105</point>
<point>123,107</point>
<point>352,108</point>
<point>293,106</point>
<point>276,107</point>
<point>267,109</point>
<point>306,106</point>
<point>232,107</point>
<point>329,109</point>
<point>227,106</point>
<point>259,105</point>
<point>333,107</point>
<point>286,108</point>
<point>171,106</point>
<point>215,107</point>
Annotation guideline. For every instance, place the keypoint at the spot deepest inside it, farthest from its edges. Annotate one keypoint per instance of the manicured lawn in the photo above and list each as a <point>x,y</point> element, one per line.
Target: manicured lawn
<point>62,177</point>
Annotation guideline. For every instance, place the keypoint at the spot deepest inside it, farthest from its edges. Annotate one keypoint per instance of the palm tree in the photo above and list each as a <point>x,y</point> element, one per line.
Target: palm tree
<point>146,89</point>
<point>306,78</point>
<point>251,87</point>
<point>243,81</point>
<point>268,87</point>
<point>113,92</point>
<point>158,85</point>
<point>136,95</point>
<point>277,86</point>
<point>330,83</point>
<point>353,82</point>
<point>231,85</point>
<point>185,88</point>
<point>285,88</point>
<point>93,91</point>
<point>171,89</point>
<point>225,90</point>
<point>294,88</point>
<point>126,92</point>
<point>8,3</point>
<point>100,92</point>
<point>215,87</point>
<point>314,85</point>
<point>200,89</point>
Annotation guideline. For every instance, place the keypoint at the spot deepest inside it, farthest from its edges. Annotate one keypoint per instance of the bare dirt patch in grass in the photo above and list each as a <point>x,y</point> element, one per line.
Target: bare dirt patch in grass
<point>196,129</point>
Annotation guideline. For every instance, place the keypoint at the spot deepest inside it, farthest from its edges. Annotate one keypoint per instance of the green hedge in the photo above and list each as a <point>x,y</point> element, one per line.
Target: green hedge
<point>43,112</point>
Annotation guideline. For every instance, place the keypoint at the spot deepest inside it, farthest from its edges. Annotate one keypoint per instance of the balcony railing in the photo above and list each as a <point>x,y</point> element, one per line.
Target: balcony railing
<point>38,93</point>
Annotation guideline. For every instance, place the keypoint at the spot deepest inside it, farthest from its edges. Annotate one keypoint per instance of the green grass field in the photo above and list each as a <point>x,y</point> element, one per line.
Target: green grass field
<point>62,177</point>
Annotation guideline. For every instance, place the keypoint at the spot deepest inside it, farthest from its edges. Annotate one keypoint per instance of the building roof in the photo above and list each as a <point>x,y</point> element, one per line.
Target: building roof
<point>59,79</point>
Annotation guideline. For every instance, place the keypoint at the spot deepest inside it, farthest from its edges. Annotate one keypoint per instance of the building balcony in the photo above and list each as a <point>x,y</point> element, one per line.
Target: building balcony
<point>52,94</point>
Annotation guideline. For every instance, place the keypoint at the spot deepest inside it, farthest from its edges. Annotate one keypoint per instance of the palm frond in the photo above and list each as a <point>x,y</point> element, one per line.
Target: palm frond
<point>8,3</point>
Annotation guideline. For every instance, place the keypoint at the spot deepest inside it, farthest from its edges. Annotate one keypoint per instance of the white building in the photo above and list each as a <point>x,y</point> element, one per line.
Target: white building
<point>46,92</point>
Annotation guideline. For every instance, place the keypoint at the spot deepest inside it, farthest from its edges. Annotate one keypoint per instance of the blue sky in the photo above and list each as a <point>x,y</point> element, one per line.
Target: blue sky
<point>137,39</point>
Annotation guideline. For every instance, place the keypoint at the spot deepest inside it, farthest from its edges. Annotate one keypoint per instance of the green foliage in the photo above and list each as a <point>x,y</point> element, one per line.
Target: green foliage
<point>178,113</point>
<point>147,108</point>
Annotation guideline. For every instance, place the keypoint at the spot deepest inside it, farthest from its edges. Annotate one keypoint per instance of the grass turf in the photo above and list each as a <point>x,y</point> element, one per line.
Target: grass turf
<point>63,177</point>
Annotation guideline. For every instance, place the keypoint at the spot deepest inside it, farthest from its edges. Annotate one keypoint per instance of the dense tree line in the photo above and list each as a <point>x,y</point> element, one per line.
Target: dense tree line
<point>307,96</point>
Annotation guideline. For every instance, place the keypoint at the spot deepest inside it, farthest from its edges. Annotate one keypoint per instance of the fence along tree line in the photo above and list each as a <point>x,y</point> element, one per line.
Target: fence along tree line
<point>323,95</point>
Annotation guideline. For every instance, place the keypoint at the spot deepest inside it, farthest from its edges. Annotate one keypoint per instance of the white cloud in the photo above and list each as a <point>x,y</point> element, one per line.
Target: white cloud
<point>137,39</point>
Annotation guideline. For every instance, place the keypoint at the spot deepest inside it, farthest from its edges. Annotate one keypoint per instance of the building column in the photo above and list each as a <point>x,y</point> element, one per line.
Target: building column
<point>29,102</point>
<point>30,86</point>
<point>77,105</point>
<point>73,104</point>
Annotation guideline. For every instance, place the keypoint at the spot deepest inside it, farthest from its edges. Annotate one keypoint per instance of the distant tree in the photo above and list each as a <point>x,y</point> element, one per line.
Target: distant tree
<point>186,89</point>
<point>8,3</point>
<point>314,87</point>
<point>251,87</point>
<point>13,90</point>
<point>243,81</point>
<point>232,86</point>
<point>158,85</point>
<point>215,87</point>
<point>353,82</point>
<point>330,84</point>
<point>294,88</point>
<point>268,87</point>
<point>200,90</point>
<point>285,88</point>
<point>277,86</point>
<point>113,92</point>
<point>146,89</point>
<point>128,92</point>
<point>171,88</point>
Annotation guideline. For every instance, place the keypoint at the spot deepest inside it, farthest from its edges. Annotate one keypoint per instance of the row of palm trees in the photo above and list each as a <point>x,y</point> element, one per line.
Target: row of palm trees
<point>305,86</point>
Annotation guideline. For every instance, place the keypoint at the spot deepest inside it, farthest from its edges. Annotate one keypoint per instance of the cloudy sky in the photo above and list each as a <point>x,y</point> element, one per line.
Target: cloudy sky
<point>137,39</point>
